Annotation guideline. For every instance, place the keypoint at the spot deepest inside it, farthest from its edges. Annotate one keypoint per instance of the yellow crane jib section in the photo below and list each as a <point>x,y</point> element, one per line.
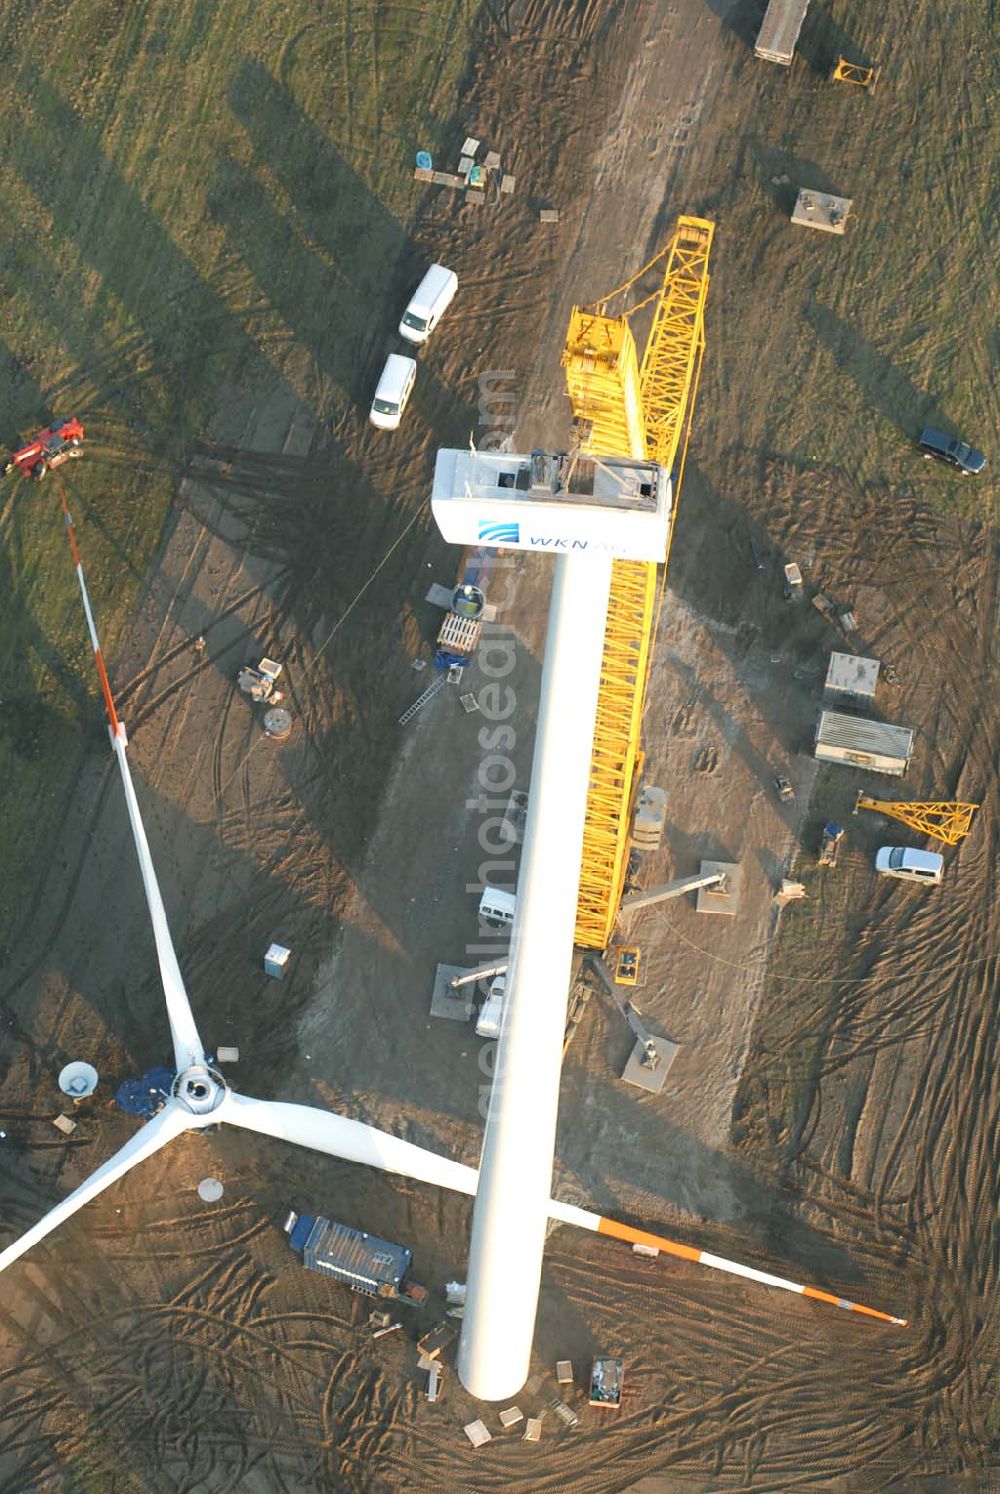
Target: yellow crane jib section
<point>677,339</point>
<point>624,409</point>
<point>947,820</point>
<point>616,759</point>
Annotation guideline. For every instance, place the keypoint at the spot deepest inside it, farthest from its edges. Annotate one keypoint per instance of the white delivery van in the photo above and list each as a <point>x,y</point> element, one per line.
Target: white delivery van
<point>909,865</point>
<point>490,1017</point>
<point>428,304</point>
<point>393,391</point>
<point>497,907</point>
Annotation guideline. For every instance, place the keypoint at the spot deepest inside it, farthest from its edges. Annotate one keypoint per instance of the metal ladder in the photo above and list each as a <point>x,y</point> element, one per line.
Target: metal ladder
<point>421,700</point>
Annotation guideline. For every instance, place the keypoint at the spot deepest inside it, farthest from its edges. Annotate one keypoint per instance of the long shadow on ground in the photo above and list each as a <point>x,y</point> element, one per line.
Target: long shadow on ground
<point>187,323</point>
<point>342,272</point>
<point>879,381</point>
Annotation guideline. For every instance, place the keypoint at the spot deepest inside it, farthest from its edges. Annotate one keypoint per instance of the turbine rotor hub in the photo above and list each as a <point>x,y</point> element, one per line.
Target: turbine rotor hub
<point>199,1089</point>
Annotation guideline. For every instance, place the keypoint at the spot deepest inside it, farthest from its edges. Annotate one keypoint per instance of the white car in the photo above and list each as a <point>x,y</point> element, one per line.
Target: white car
<point>490,1018</point>
<point>497,907</point>
<point>428,303</point>
<point>909,865</point>
<point>394,388</point>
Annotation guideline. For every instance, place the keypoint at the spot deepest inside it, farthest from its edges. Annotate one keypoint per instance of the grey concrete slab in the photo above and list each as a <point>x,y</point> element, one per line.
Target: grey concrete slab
<point>652,1080</point>
<point>710,899</point>
<point>458,1005</point>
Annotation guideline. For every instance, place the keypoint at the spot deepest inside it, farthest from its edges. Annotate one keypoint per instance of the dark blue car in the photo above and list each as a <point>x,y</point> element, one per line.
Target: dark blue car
<point>948,449</point>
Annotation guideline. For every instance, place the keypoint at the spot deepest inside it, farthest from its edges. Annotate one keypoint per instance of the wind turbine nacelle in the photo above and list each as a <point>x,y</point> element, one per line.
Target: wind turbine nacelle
<point>556,503</point>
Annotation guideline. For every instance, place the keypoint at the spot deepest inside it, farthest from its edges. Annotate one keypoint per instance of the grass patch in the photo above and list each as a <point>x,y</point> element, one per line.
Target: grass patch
<point>838,351</point>
<point>193,193</point>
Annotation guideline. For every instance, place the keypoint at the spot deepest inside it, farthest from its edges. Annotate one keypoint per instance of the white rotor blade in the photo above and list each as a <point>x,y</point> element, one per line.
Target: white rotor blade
<point>353,1141</point>
<point>187,1044</point>
<point>170,1122</point>
<point>322,1131</point>
<point>188,1048</point>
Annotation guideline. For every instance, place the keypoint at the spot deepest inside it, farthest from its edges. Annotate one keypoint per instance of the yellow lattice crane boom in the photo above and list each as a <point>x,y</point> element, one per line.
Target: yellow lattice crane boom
<point>948,820</point>
<point>624,408</point>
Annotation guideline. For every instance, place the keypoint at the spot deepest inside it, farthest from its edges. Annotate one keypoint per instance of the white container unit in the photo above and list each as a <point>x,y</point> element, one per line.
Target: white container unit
<point>876,745</point>
<point>779,31</point>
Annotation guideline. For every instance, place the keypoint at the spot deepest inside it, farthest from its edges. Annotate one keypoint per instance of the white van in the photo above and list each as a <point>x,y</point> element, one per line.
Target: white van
<point>909,865</point>
<point>497,907</point>
<point>428,304</point>
<point>490,1017</point>
<point>393,391</point>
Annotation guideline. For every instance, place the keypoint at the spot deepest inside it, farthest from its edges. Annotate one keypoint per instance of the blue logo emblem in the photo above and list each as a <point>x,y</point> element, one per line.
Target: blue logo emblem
<point>499,533</point>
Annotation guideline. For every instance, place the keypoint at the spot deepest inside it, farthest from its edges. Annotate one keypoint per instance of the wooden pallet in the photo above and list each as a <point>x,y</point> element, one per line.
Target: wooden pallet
<point>459,635</point>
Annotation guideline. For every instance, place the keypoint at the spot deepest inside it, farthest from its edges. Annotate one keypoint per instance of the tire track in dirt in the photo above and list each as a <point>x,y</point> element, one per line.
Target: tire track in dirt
<point>905,1070</point>
<point>174,1352</point>
<point>71,878</point>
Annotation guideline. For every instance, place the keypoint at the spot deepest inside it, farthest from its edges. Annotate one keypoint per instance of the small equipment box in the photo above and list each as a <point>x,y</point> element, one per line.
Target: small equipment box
<point>606,1379</point>
<point>627,966</point>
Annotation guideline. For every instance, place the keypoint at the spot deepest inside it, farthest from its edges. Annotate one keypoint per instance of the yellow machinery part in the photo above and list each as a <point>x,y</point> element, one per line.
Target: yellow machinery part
<point>855,72</point>
<point>600,364</point>
<point>948,820</point>
<point>676,339</point>
<point>616,759</point>
<point>602,379</point>
<point>626,967</point>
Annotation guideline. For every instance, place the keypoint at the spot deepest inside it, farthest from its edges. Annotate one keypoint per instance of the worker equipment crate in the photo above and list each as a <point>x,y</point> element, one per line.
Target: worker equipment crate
<point>606,1379</point>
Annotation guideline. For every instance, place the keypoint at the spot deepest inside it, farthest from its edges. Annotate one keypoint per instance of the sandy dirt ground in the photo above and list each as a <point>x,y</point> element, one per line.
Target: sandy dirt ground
<point>832,1112</point>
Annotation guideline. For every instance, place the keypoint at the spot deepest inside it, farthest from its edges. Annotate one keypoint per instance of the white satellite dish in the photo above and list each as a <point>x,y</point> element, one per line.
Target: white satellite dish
<point>210,1190</point>
<point>78,1080</point>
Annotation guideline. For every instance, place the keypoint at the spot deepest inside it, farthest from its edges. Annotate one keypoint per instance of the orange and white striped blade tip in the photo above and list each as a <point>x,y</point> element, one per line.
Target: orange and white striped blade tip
<point>625,1232</point>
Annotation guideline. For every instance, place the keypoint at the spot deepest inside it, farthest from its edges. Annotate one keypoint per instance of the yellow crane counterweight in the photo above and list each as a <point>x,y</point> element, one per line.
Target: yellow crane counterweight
<point>602,380</point>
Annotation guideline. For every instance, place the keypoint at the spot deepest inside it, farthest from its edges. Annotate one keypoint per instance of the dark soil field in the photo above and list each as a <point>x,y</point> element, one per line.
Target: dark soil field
<point>211,228</point>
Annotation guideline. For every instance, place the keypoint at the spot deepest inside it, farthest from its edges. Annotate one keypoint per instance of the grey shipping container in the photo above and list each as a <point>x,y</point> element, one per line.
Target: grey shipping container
<point>875,745</point>
<point>779,30</point>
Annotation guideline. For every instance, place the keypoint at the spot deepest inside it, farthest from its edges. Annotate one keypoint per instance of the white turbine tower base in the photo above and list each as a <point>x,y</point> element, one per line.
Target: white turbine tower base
<point>512,1205</point>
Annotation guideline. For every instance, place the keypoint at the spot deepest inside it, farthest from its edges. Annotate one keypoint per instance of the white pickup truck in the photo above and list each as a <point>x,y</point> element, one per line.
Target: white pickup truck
<point>490,1018</point>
